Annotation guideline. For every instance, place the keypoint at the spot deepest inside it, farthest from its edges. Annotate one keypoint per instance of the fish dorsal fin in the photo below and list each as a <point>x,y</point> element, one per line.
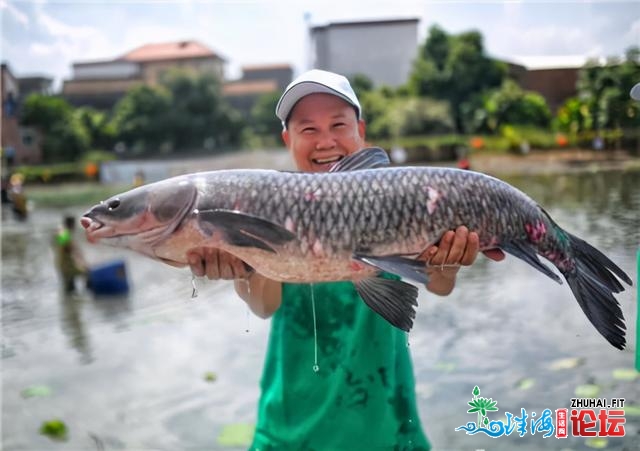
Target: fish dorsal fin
<point>369,158</point>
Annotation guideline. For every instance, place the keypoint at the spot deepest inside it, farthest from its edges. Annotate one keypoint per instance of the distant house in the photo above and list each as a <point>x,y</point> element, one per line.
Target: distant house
<point>20,145</point>
<point>36,84</point>
<point>102,83</point>
<point>383,50</point>
<point>256,81</point>
<point>555,84</point>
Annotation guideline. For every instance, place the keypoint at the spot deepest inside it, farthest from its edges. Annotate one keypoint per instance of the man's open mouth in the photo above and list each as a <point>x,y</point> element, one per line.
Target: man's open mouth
<point>327,160</point>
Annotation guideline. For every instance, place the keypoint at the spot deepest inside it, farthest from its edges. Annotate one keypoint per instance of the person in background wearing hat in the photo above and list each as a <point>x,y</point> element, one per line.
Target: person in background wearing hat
<point>361,394</point>
<point>69,259</point>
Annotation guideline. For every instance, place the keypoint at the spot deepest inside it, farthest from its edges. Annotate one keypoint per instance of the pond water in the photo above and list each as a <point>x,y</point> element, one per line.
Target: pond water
<point>130,372</point>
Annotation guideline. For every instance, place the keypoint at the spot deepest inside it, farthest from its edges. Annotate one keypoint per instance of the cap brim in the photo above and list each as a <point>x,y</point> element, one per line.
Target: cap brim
<point>293,96</point>
<point>635,92</point>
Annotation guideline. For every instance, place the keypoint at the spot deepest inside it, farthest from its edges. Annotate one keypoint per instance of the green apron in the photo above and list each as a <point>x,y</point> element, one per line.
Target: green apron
<point>361,397</point>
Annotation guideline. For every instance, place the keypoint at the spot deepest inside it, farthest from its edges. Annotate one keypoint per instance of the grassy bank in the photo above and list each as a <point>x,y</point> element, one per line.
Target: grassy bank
<point>537,162</point>
<point>71,194</point>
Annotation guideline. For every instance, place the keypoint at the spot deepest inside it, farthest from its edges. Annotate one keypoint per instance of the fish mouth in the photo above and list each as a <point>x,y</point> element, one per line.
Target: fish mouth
<point>95,229</point>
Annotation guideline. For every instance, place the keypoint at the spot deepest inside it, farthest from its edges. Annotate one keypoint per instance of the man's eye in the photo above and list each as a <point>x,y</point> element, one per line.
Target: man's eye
<point>339,124</point>
<point>308,130</point>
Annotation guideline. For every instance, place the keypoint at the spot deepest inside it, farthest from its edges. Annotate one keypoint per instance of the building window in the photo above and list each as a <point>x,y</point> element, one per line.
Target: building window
<point>27,139</point>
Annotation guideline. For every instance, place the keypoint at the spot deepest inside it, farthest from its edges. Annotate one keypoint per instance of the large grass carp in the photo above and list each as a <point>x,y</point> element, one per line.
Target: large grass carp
<point>361,218</point>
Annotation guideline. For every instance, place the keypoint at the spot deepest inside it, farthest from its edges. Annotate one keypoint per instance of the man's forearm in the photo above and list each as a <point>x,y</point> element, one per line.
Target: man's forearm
<point>262,295</point>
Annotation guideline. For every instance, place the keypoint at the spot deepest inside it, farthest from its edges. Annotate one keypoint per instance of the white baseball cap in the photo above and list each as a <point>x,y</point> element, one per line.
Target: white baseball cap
<point>312,82</point>
<point>635,92</point>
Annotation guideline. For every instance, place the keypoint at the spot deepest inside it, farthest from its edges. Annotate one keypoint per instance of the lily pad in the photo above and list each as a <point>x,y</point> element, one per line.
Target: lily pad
<point>596,442</point>
<point>447,367</point>
<point>587,391</point>
<point>210,376</point>
<point>55,429</point>
<point>566,364</point>
<point>625,374</point>
<point>238,434</point>
<point>36,391</point>
<point>526,383</point>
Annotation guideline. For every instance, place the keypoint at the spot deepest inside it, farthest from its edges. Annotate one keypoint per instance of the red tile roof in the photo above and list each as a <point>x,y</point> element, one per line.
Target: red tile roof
<point>169,51</point>
<point>252,67</point>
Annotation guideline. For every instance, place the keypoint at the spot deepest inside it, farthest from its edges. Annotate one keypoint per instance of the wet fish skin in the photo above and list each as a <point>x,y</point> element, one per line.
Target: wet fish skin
<point>351,223</point>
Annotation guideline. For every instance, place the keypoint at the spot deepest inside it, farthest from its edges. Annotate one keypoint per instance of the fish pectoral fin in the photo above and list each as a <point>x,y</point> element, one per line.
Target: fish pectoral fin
<point>394,300</point>
<point>244,230</point>
<point>369,158</point>
<point>408,268</point>
<point>525,251</point>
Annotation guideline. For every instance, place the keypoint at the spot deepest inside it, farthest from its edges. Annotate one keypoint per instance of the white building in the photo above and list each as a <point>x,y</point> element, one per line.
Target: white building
<point>383,50</point>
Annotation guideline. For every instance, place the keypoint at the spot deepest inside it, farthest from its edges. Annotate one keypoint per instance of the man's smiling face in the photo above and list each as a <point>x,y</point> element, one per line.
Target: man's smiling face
<point>322,130</point>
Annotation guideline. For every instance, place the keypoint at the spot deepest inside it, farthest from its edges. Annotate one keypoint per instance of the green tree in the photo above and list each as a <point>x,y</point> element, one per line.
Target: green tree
<point>64,136</point>
<point>361,84</point>
<point>142,118</point>
<point>455,68</point>
<point>263,120</point>
<point>199,115</point>
<point>375,107</point>
<point>605,91</point>
<point>511,105</point>
<point>574,116</point>
<point>101,130</point>
<point>411,116</point>
<point>186,112</point>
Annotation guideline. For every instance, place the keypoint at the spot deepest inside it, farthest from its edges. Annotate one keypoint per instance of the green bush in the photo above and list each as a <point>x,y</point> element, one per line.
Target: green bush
<point>98,156</point>
<point>55,173</point>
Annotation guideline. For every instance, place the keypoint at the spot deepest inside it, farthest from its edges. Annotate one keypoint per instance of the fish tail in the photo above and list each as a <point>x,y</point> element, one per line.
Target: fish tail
<point>593,282</point>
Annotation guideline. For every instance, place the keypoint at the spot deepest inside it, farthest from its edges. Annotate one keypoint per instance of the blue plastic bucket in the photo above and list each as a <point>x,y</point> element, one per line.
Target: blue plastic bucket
<point>109,278</point>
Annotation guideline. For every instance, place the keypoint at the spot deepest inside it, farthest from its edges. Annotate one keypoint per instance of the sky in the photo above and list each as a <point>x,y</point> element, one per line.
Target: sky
<point>45,37</point>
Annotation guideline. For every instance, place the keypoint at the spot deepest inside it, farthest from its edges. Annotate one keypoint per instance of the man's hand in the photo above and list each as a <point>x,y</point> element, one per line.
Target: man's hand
<point>262,295</point>
<point>216,264</point>
<point>456,248</point>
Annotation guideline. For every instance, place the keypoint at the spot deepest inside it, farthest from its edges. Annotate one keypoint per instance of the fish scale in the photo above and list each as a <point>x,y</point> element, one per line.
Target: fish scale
<point>350,221</point>
<point>361,218</point>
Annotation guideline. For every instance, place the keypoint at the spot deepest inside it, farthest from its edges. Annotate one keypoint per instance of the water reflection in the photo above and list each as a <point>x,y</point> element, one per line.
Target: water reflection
<point>73,325</point>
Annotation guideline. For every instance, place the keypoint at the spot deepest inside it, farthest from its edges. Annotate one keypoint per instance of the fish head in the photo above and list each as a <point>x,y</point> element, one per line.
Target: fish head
<point>141,218</point>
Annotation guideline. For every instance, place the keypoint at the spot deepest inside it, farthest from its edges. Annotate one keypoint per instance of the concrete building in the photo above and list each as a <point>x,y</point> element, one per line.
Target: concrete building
<point>256,81</point>
<point>102,83</point>
<point>383,50</point>
<point>20,145</point>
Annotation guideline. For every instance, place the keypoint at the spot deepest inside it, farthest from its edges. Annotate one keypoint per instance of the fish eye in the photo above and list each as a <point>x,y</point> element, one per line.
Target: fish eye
<point>113,204</point>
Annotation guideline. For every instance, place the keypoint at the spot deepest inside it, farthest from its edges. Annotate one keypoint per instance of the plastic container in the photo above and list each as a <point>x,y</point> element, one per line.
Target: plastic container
<point>109,278</point>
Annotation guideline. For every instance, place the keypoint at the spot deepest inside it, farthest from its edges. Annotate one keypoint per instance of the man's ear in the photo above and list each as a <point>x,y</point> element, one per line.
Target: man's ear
<point>285,137</point>
<point>362,128</point>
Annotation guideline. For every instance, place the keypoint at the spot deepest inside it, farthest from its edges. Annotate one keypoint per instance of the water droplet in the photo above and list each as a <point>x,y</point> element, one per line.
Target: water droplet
<point>316,368</point>
<point>194,292</point>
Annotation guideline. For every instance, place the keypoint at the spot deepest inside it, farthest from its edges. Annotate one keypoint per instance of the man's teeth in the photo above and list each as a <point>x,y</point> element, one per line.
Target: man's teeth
<point>326,160</point>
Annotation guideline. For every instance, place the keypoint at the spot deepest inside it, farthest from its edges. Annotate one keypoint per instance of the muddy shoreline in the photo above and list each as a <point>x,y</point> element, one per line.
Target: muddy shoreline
<point>554,162</point>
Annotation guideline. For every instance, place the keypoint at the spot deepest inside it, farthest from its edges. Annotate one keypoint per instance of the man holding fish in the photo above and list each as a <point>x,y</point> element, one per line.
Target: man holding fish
<point>344,230</point>
<point>359,393</point>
